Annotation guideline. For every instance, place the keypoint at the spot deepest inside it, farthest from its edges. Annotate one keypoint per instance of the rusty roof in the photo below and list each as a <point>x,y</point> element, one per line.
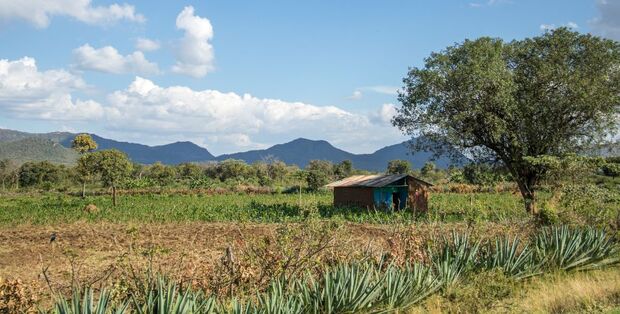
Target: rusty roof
<point>373,181</point>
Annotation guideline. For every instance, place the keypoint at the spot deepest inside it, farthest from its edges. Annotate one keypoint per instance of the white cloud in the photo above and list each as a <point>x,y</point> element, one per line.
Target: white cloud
<point>231,121</point>
<point>27,92</point>
<point>549,27</point>
<point>383,89</point>
<point>357,95</point>
<point>109,60</point>
<point>194,53</point>
<point>608,22</point>
<point>145,44</point>
<point>39,12</point>
<point>385,114</point>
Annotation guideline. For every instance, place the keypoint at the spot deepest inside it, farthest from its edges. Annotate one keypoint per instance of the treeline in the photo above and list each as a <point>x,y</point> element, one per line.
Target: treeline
<point>112,168</point>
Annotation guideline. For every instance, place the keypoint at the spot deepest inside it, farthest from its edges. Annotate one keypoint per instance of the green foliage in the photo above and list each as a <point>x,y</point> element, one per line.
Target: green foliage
<point>398,167</point>
<point>506,255</point>
<point>82,301</point>
<point>455,257</point>
<point>343,169</point>
<point>162,174</point>
<point>481,174</point>
<point>549,95</point>
<point>83,143</point>
<point>112,165</point>
<point>318,174</point>
<point>39,173</point>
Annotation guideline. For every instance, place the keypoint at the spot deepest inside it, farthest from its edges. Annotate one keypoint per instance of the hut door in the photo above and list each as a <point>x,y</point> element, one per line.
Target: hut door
<point>396,200</point>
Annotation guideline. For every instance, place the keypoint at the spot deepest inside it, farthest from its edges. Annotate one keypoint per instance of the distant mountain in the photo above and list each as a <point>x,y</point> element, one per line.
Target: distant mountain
<point>378,160</point>
<point>36,149</point>
<point>172,154</point>
<point>299,151</point>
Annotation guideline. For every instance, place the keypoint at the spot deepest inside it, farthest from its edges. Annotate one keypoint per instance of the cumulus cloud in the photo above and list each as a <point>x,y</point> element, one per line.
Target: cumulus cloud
<point>27,92</point>
<point>233,121</point>
<point>608,22</point>
<point>194,53</point>
<point>40,12</point>
<point>145,44</point>
<point>108,60</point>
<point>385,114</point>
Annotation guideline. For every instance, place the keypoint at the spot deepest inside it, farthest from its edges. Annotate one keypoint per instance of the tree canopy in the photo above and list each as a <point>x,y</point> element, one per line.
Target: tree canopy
<point>83,143</point>
<point>554,94</point>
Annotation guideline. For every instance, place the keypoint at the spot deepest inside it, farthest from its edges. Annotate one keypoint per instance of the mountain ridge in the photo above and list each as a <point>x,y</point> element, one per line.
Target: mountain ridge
<point>298,151</point>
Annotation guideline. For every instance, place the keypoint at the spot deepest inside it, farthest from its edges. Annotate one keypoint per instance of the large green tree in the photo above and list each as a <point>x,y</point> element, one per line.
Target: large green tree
<point>113,166</point>
<point>509,101</point>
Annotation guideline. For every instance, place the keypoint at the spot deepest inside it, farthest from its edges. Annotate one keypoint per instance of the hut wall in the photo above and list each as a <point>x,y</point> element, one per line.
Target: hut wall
<point>383,196</point>
<point>418,197</point>
<point>353,196</point>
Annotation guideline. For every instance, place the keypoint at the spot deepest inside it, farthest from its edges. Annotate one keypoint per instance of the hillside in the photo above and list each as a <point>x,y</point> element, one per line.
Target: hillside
<point>174,153</point>
<point>299,151</point>
<point>36,149</point>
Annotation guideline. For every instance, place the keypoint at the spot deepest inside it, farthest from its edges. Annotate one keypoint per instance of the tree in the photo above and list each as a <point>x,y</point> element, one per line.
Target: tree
<point>343,169</point>
<point>318,173</point>
<point>86,169</point>
<point>428,168</point>
<point>398,166</point>
<point>9,172</point>
<point>162,174</point>
<point>84,143</point>
<point>549,95</point>
<point>113,166</point>
<point>189,170</point>
<point>39,173</point>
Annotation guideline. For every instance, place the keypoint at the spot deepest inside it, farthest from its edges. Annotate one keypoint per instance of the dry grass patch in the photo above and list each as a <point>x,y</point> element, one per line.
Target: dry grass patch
<point>581,292</point>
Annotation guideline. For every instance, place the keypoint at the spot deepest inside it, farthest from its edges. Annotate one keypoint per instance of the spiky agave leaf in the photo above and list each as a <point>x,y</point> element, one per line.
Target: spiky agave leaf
<point>404,287</point>
<point>83,302</point>
<point>513,261</point>
<point>456,256</point>
<point>343,289</point>
<point>575,249</point>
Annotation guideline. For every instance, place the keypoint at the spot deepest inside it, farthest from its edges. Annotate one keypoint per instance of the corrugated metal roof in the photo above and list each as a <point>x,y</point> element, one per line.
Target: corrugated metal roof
<point>373,181</point>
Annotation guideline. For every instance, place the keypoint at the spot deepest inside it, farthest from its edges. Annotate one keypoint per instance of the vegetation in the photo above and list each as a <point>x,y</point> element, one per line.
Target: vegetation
<point>548,95</point>
<point>371,286</point>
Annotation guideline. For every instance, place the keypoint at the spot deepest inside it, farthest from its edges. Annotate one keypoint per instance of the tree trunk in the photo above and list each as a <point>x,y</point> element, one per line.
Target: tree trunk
<point>84,189</point>
<point>529,197</point>
<point>113,195</point>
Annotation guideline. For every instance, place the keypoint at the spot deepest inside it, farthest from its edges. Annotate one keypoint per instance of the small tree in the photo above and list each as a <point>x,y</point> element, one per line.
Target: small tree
<point>552,95</point>
<point>84,143</point>
<point>398,166</point>
<point>86,169</point>
<point>343,169</point>
<point>428,168</point>
<point>162,174</point>
<point>113,166</point>
<point>318,174</point>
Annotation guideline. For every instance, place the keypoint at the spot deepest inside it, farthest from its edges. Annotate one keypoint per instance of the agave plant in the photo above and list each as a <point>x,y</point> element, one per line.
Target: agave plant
<point>404,287</point>
<point>575,249</point>
<point>83,302</point>
<point>505,255</point>
<point>343,289</point>
<point>457,256</point>
<point>167,299</point>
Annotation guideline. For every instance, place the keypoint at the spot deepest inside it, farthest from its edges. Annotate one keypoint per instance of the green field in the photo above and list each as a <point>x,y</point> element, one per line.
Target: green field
<point>54,208</point>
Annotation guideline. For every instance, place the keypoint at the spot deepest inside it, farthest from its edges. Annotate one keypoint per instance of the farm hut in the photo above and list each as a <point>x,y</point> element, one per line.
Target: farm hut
<point>396,191</point>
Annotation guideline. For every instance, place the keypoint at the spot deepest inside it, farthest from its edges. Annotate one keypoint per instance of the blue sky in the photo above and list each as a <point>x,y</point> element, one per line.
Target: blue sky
<point>233,75</point>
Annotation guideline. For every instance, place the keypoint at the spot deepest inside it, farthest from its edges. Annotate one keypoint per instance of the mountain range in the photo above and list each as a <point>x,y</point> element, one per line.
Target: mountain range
<point>55,147</point>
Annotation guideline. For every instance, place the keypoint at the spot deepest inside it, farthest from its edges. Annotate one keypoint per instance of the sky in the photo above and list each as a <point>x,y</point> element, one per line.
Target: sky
<point>239,75</point>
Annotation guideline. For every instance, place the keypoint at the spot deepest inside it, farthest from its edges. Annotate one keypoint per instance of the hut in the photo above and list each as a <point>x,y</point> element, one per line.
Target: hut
<point>397,191</point>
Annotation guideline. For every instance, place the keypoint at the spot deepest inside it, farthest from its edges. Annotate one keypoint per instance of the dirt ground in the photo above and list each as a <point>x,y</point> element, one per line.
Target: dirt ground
<point>83,251</point>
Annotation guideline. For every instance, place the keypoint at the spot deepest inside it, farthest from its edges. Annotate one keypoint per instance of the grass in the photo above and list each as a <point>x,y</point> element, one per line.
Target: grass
<point>54,208</point>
